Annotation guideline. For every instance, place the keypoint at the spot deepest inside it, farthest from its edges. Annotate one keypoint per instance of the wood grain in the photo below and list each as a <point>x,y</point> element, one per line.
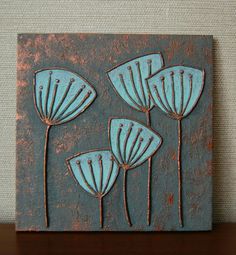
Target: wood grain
<point>220,241</point>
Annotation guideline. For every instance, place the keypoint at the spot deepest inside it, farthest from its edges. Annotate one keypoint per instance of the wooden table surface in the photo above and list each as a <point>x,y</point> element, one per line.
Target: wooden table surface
<point>222,240</point>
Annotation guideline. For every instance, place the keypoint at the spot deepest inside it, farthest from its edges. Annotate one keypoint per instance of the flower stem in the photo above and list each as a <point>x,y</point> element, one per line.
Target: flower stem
<point>45,195</point>
<point>148,119</point>
<point>180,175</point>
<point>125,198</point>
<point>101,211</point>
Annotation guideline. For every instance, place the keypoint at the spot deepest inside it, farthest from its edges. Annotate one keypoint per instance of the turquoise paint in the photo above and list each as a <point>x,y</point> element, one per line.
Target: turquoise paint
<point>197,86</point>
<point>122,151</point>
<point>64,113</point>
<point>94,157</point>
<point>197,189</point>
<point>142,99</point>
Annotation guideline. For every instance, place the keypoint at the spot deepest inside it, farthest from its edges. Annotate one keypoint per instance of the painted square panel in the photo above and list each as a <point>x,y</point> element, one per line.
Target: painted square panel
<point>114,132</point>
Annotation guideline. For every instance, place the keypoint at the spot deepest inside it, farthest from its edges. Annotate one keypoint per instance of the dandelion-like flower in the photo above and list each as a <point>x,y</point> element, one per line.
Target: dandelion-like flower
<point>59,96</point>
<point>132,143</point>
<point>176,91</point>
<point>129,80</point>
<point>96,172</point>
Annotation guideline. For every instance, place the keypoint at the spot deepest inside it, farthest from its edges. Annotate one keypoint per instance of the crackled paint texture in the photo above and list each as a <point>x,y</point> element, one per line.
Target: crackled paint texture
<point>71,209</point>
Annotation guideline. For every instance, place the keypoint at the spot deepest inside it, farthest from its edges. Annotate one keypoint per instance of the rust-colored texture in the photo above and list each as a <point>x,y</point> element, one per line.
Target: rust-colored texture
<point>172,190</point>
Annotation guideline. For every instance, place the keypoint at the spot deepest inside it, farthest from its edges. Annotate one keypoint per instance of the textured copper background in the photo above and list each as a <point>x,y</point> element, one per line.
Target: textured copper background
<point>71,209</point>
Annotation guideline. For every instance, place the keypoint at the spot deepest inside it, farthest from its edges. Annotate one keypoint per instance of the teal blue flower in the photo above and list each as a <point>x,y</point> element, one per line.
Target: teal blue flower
<point>176,91</point>
<point>129,80</point>
<point>59,96</point>
<point>132,144</point>
<point>96,172</point>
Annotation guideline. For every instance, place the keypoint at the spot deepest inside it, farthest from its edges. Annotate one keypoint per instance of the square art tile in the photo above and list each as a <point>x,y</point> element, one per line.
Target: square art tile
<point>114,132</point>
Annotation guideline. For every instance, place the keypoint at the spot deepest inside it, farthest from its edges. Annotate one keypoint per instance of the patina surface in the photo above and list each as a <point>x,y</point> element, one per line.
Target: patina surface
<point>69,207</point>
